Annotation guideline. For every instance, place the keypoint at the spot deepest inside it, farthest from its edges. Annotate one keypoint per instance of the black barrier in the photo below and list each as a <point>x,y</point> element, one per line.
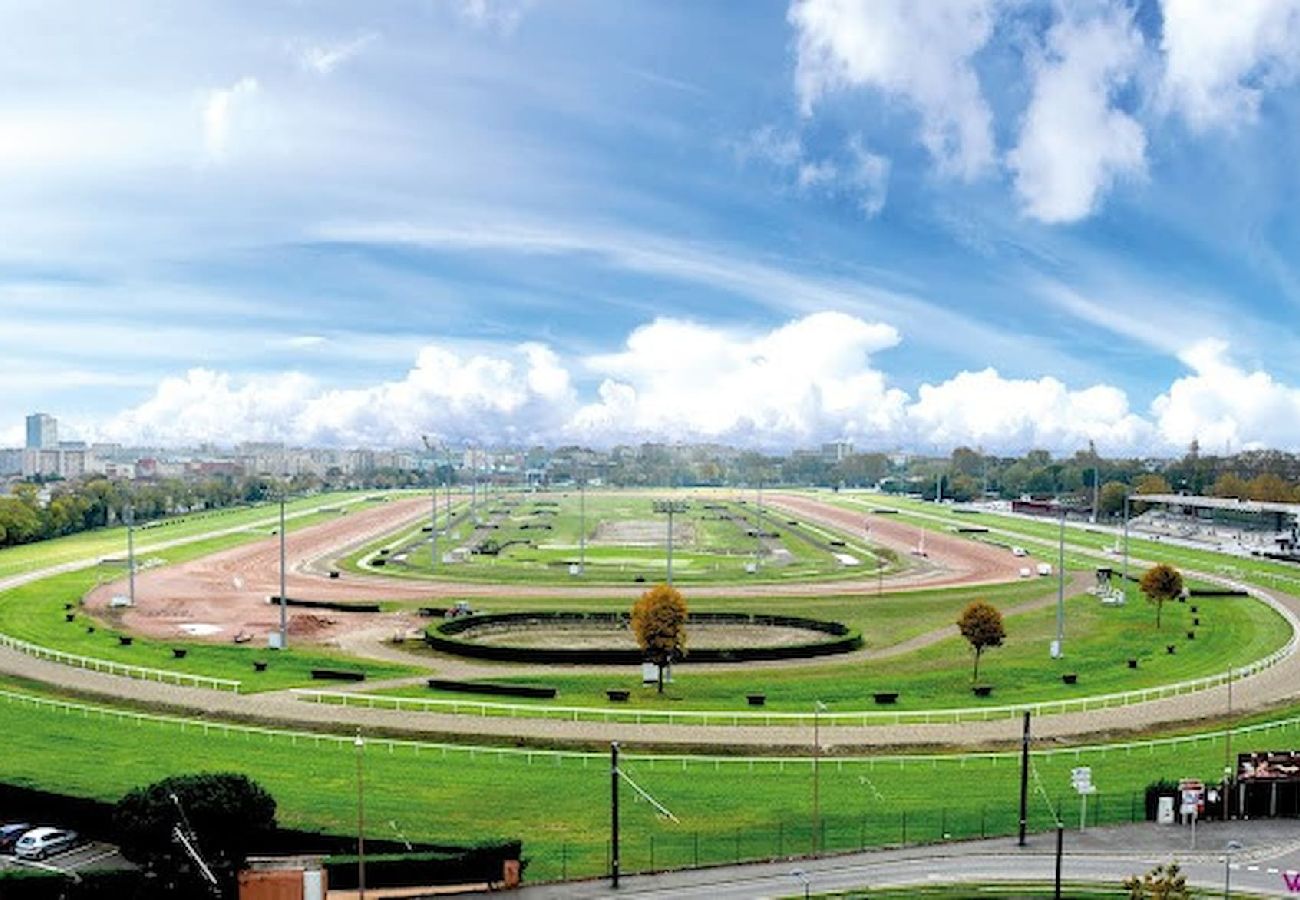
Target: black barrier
<point>443,636</point>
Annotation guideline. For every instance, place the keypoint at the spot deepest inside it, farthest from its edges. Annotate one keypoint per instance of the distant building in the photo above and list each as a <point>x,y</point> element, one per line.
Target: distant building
<point>42,432</point>
<point>56,463</point>
<point>11,461</point>
<point>836,451</point>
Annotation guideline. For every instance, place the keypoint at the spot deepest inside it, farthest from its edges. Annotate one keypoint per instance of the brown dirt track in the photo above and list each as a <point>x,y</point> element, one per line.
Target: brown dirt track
<point>230,589</point>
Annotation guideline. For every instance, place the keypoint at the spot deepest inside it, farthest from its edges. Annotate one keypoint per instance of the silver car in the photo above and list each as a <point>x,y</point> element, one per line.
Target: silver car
<point>42,842</point>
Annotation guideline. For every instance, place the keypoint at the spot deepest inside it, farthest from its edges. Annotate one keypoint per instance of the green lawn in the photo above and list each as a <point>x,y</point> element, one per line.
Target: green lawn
<point>1099,642</point>
<point>35,612</point>
<point>558,803</point>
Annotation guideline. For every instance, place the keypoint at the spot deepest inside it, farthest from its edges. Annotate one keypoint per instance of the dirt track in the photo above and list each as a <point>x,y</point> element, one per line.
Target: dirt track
<point>230,590</point>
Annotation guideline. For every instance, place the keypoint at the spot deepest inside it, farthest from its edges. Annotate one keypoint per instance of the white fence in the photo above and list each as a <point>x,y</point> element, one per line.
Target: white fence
<point>142,673</point>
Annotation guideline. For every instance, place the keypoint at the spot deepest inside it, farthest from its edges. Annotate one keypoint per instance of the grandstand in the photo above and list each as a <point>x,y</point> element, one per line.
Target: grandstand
<point>1243,527</point>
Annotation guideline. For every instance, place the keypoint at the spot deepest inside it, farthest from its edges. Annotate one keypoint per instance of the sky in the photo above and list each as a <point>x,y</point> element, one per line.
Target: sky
<point>1008,224</point>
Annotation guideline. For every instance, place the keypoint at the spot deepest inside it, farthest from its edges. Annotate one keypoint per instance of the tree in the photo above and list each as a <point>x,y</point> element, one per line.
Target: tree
<point>1159,584</point>
<point>1270,487</point>
<point>1152,484</point>
<point>1111,499</point>
<point>659,623</point>
<point>229,814</point>
<point>981,625</point>
<point>1230,484</point>
<point>1164,882</point>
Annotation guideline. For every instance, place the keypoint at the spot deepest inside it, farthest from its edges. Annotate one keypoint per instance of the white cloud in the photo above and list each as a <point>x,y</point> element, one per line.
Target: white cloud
<point>325,58</point>
<point>220,110</point>
<point>503,15</point>
<point>984,408</point>
<point>805,381</point>
<point>869,175</point>
<point>1222,404</point>
<point>918,51</point>
<point>1221,56</point>
<point>1073,142</point>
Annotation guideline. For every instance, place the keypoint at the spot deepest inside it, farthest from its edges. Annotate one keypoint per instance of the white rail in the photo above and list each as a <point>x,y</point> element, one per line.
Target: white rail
<point>142,673</point>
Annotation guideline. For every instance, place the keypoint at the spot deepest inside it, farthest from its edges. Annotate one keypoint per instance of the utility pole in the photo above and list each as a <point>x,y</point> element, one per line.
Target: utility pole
<point>284,609</point>
<point>613,815</point>
<point>1060,847</point>
<point>130,551</point>
<point>1024,781</point>
<point>758,528</point>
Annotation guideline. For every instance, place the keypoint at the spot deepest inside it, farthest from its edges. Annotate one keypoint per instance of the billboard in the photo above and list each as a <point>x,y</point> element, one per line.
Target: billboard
<point>1272,765</point>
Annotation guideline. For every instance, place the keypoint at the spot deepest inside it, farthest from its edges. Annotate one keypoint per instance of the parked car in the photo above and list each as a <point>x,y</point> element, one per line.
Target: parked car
<point>10,833</point>
<point>42,842</point>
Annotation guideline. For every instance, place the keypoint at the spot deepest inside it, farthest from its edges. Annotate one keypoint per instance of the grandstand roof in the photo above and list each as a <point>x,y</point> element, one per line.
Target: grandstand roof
<point>1246,506</point>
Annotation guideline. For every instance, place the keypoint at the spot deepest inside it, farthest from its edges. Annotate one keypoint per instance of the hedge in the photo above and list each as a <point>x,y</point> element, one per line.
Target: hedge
<point>395,870</point>
<point>334,605</point>
<point>443,636</point>
<point>487,687</point>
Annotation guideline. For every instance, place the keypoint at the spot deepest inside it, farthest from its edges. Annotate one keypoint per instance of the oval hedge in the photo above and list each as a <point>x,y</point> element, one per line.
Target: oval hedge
<point>445,636</point>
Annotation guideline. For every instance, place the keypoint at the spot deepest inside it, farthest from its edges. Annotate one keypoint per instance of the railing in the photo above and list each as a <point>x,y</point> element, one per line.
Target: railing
<point>142,673</point>
<point>650,760</point>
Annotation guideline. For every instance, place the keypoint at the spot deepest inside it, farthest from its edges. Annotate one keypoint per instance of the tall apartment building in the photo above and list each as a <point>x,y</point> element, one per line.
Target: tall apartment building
<point>42,432</point>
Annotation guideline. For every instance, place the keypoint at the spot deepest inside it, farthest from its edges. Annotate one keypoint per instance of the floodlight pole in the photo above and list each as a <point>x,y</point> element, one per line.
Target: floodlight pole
<point>613,814</point>
<point>1060,847</point>
<point>284,613</point>
<point>758,527</point>
<point>1124,575</point>
<point>1060,586</point>
<point>816,776</point>
<point>671,507</point>
<point>1024,781</point>
<point>130,551</point>
<point>582,526</point>
<point>361,819</point>
<point>433,508</point>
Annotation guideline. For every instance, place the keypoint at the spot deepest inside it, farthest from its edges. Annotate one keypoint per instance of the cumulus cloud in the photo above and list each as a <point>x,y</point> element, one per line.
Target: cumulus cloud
<point>219,116</point>
<point>1220,57</point>
<point>807,380</point>
<point>1222,404</point>
<point>918,52</point>
<point>1073,141</point>
<point>812,379</point>
<point>984,408</point>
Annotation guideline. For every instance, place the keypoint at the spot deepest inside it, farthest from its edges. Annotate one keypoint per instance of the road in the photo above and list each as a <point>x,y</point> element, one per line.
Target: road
<point>83,857</point>
<point>1270,856</point>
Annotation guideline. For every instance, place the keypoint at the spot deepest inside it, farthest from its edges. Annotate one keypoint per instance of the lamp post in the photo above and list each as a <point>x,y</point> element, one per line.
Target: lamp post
<point>758,528</point>
<point>433,507</point>
<point>671,508</point>
<point>360,744</point>
<point>1124,576</point>
<point>1230,848</point>
<point>582,526</point>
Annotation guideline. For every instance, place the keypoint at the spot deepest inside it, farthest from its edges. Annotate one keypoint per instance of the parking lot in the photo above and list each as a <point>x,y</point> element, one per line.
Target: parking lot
<point>89,855</point>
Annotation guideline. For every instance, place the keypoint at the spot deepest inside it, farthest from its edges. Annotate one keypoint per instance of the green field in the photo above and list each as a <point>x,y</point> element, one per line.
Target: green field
<point>539,538</point>
<point>35,612</point>
<point>1099,642</point>
<point>727,809</point>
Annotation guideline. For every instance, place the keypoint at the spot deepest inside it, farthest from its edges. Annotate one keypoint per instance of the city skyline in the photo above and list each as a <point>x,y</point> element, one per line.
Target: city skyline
<point>530,222</point>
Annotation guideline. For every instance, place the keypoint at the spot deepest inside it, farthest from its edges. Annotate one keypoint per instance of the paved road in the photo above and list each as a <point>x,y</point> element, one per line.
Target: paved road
<point>83,857</point>
<point>1106,855</point>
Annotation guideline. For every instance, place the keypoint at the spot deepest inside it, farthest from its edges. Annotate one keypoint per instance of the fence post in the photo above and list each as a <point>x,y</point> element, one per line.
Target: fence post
<point>943,824</point>
<point>697,849</point>
<point>904,841</point>
<point>564,862</point>
<point>737,846</point>
<point>652,853</point>
<point>1132,807</point>
<point>983,814</point>
<point>862,832</point>
<point>780,838</point>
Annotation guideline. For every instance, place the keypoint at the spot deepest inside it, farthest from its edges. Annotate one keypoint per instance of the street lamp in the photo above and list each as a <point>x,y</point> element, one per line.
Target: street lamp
<point>671,508</point>
<point>1124,577</point>
<point>361,819</point>
<point>1058,648</point>
<point>1230,848</point>
<point>433,507</point>
<point>582,525</point>
<point>818,707</point>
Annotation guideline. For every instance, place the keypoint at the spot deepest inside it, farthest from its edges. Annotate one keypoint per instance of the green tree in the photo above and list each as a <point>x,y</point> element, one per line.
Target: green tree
<point>1230,484</point>
<point>981,625</point>
<point>1111,498</point>
<point>1152,484</point>
<point>659,623</point>
<point>229,815</point>
<point>1159,584</point>
<point>1270,487</point>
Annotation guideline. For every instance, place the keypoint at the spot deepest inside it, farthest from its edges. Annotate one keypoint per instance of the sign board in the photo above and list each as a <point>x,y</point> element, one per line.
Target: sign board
<point>1165,810</point>
<point>1274,765</point>
<point>1191,797</point>
<point>650,673</point>
<point>1081,778</point>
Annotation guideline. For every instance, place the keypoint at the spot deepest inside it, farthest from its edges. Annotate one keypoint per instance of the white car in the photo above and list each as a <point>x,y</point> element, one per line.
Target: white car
<point>42,842</point>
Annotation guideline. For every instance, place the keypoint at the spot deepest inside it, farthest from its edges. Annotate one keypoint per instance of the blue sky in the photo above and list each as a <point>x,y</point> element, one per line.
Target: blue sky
<point>1008,224</point>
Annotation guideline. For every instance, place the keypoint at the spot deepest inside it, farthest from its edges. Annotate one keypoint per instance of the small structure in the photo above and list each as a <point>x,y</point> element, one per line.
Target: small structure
<point>284,878</point>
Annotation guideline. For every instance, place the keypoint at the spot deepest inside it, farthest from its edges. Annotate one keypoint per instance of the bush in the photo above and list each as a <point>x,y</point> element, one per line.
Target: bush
<point>1165,787</point>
